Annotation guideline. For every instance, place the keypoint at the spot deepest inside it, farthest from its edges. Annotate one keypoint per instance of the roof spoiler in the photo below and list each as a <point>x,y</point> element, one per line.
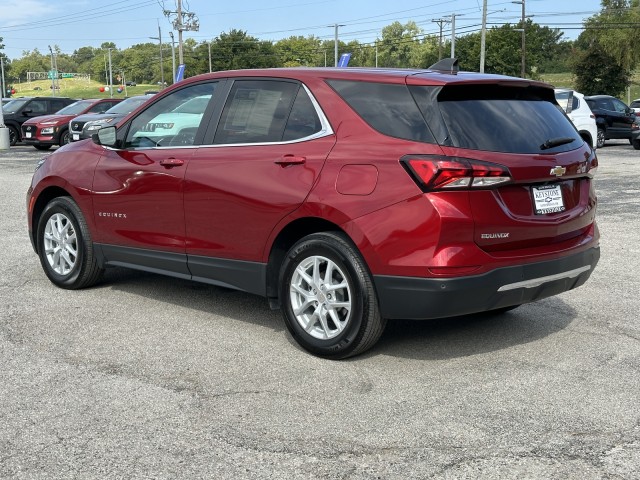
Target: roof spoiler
<point>446,65</point>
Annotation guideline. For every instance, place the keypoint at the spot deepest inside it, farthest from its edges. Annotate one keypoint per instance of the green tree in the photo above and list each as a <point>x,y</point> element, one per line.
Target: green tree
<point>604,76</point>
<point>83,58</point>
<point>503,54</point>
<point>298,51</point>
<point>406,46</point>
<point>237,50</point>
<point>607,47</point>
<point>31,61</point>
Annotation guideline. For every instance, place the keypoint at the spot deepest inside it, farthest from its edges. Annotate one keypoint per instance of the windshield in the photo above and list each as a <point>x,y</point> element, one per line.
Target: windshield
<point>14,105</point>
<point>127,106</point>
<point>75,108</point>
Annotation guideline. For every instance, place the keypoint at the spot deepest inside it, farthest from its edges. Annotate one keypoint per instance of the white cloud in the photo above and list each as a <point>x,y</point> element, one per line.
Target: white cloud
<point>16,12</point>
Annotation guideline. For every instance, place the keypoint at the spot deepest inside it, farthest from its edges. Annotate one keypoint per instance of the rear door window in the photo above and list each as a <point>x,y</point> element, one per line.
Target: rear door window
<point>388,108</point>
<point>256,111</point>
<point>500,118</point>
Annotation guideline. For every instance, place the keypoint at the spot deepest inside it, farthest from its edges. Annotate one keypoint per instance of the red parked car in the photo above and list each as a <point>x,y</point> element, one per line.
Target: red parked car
<point>45,131</point>
<point>346,196</point>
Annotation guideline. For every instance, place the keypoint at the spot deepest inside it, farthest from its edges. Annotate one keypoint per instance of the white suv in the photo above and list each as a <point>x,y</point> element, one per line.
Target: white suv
<point>579,113</point>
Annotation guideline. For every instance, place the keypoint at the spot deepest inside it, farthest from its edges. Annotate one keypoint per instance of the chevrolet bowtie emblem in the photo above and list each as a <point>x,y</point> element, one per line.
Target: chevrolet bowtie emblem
<point>558,171</point>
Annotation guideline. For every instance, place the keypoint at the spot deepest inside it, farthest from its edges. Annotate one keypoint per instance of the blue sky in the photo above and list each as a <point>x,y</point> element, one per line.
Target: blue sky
<point>70,24</point>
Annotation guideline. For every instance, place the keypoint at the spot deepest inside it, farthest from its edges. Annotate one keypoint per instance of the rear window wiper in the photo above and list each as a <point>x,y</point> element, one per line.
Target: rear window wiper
<point>556,142</point>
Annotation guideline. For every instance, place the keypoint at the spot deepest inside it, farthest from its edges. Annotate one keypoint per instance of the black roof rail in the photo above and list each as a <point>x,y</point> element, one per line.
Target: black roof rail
<point>446,65</point>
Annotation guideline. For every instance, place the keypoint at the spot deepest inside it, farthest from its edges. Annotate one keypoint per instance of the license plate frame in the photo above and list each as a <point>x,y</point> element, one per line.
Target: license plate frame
<point>75,136</point>
<point>547,199</point>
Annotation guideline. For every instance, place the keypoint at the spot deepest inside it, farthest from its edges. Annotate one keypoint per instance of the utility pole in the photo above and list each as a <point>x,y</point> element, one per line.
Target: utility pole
<point>483,35</point>
<point>440,22</point>
<point>183,22</point>
<point>209,46</point>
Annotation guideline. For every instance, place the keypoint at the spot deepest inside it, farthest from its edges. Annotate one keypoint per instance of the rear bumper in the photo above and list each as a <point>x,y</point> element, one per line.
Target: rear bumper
<point>427,298</point>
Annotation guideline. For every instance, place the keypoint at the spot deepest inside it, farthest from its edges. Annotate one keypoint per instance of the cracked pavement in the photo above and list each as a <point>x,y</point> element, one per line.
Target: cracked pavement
<point>151,377</point>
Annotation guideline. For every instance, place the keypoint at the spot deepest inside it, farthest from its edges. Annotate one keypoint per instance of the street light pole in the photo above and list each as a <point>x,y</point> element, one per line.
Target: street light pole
<point>110,75</point>
<point>522,69</point>
<point>53,85</point>
<point>159,38</point>
<point>173,57</point>
<point>453,33</point>
<point>483,35</point>
<point>335,42</point>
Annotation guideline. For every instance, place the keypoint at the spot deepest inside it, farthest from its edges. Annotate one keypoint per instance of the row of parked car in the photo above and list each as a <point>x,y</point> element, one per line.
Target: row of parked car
<point>601,117</point>
<point>47,121</point>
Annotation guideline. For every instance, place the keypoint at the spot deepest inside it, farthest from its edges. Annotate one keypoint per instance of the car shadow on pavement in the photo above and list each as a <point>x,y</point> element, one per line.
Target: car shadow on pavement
<point>439,339</point>
<point>463,336</point>
<point>203,297</point>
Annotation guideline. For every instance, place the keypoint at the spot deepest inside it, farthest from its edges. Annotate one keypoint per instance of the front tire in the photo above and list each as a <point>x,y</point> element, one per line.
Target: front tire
<point>42,147</point>
<point>601,138</point>
<point>636,144</point>
<point>64,137</point>
<point>65,246</point>
<point>13,136</point>
<point>328,300</point>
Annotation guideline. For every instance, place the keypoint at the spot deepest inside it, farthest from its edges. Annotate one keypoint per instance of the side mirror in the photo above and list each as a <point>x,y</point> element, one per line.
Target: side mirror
<point>106,137</point>
<point>27,111</point>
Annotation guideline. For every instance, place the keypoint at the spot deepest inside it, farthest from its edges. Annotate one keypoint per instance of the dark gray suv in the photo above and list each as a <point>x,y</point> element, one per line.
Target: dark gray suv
<point>19,110</point>
<point>614,119</point>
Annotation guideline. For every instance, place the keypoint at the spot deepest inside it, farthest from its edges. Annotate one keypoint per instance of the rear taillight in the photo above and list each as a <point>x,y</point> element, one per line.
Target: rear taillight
<point>432,172</point>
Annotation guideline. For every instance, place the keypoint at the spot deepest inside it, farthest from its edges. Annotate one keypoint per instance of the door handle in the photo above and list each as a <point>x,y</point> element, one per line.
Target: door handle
<point>171,162</point>
<point>287,160</point>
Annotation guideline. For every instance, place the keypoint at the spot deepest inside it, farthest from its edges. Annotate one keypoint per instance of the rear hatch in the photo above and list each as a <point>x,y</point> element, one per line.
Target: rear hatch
<point>549,199</point>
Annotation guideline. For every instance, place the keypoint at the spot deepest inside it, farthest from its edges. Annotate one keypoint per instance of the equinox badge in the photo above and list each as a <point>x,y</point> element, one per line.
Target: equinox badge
<point>558,171</point>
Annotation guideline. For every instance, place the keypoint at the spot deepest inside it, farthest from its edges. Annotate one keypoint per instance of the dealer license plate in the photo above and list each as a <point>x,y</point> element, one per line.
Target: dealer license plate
<point>28,134</point>
<point>76,136</point>
<point>547,199</point>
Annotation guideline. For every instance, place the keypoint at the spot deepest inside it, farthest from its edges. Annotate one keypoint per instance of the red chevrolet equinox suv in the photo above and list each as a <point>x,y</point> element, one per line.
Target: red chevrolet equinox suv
<point>345,196</point>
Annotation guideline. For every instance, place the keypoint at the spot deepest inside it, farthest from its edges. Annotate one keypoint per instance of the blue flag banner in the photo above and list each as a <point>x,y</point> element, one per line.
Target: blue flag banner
<point>179,73</point>
<point>344,60</point>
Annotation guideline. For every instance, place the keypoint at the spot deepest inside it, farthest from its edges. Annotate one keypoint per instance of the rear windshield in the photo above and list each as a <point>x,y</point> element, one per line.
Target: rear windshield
<point>499,118</point>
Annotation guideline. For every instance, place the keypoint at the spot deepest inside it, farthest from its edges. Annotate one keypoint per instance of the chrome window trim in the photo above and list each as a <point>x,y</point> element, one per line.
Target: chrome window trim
<point>324,131</point>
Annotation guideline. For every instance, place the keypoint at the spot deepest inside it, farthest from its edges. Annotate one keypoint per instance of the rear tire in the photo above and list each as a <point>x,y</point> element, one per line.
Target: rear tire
<point>601,138</point>
<point>328,300</point>
<point>65,246</point>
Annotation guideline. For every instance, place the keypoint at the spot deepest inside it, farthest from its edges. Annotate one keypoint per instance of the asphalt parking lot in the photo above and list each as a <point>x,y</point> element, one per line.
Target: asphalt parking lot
<point>151,377</point>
